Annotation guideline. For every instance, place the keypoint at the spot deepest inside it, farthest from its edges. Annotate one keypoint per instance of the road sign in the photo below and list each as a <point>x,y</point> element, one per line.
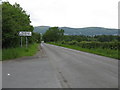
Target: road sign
<point>25,33</point>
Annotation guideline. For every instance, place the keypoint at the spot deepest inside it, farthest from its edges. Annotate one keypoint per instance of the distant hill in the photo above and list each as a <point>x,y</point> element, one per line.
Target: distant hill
<point>80,31</point>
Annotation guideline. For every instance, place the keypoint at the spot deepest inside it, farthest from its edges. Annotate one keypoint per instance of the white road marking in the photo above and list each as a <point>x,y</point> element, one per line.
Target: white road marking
<point>8,74</point>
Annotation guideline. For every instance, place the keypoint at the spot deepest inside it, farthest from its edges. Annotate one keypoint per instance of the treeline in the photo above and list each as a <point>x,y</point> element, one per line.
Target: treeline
<point>100,38</point>
<point>101,41</point>
<point>56,35</point>
<point>91,45</point>
<point>53,34</point>
<point>15,19</point>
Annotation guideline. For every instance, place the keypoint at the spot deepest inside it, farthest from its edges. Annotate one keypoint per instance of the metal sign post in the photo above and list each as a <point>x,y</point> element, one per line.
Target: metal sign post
<point>26,42</point>
<point>21,41</point>
<point>25,33</point>
<point>41,36</point>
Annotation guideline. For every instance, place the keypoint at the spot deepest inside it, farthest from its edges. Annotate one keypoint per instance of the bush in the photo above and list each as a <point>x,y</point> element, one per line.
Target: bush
<point>93,44</point>
<point>11,53</point>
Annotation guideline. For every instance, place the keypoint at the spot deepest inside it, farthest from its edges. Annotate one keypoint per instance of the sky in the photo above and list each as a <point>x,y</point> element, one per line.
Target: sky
<point>71,13</point>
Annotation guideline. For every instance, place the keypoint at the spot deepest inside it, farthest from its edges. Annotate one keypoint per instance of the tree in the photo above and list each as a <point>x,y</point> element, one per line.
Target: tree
<point>14,19</point>
<point>36,37</point>
<point>53,34</point>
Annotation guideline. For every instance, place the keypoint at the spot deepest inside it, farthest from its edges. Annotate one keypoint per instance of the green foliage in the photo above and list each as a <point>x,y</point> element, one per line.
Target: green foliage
<point>106,38</point>
<point>11,53</point>
<point>53,34</point>
<point>36,37</point>
<point>93,44</point>
<point>99,51</point>
<point>14,19</point>
<point>100,38</point>
<point>105,45</point>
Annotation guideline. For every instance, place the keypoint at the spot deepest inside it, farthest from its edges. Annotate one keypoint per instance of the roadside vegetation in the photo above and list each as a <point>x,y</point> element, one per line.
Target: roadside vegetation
<point>14,20</point>
<point>105,45</point>
<point>11,53</point>
<point>112,53</point>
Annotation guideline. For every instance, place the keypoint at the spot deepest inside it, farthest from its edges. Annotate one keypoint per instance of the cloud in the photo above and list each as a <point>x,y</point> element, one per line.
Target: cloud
<point>72,13</point>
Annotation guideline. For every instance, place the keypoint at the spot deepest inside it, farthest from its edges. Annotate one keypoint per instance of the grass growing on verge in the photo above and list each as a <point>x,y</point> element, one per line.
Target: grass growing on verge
<point>0,54</point>
<point>12,53</point>
<point>99,51</point>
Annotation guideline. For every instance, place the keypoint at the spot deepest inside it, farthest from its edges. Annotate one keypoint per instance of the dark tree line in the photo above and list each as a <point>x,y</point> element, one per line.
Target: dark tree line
<point>56,35</point>
<point>53,34</point>
<point>15,19</point>
<point>100,38</point>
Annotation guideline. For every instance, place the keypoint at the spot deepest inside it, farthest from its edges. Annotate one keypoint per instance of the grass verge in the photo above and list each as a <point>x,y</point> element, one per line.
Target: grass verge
<point>99,51</point>
<point>12,53</point>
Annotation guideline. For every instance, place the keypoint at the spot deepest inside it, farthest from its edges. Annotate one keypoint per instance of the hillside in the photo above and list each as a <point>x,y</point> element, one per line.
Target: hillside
<point>80,31</point>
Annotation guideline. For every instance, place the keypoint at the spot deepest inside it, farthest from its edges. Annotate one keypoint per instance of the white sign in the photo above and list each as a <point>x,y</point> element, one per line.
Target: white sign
<point>25,33</point>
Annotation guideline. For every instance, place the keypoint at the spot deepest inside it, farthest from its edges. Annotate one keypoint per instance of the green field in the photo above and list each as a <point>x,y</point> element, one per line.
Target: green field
<point>12,53</point>
<point>99,51</point>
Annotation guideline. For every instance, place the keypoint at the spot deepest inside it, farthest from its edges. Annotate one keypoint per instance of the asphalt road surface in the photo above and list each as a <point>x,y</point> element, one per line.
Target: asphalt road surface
<point>58,67</point>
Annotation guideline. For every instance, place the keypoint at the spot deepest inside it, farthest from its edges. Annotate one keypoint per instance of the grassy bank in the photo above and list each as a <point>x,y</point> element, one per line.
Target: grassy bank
<point>0,54</point>
<point>12,53</point>
<point>99,51</point>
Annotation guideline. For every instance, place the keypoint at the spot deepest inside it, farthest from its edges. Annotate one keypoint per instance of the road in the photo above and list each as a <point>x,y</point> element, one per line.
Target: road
<point>58,67</point>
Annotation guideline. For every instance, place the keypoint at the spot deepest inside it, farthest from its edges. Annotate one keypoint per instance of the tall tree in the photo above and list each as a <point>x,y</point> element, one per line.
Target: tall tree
<point>53,34</point>
<point>14,19</point>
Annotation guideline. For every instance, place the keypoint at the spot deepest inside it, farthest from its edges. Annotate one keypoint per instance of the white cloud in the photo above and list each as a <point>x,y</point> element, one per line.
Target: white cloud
<point>72,13</point>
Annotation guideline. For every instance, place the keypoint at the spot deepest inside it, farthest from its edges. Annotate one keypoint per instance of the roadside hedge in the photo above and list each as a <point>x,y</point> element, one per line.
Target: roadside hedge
<point>89,45</point>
